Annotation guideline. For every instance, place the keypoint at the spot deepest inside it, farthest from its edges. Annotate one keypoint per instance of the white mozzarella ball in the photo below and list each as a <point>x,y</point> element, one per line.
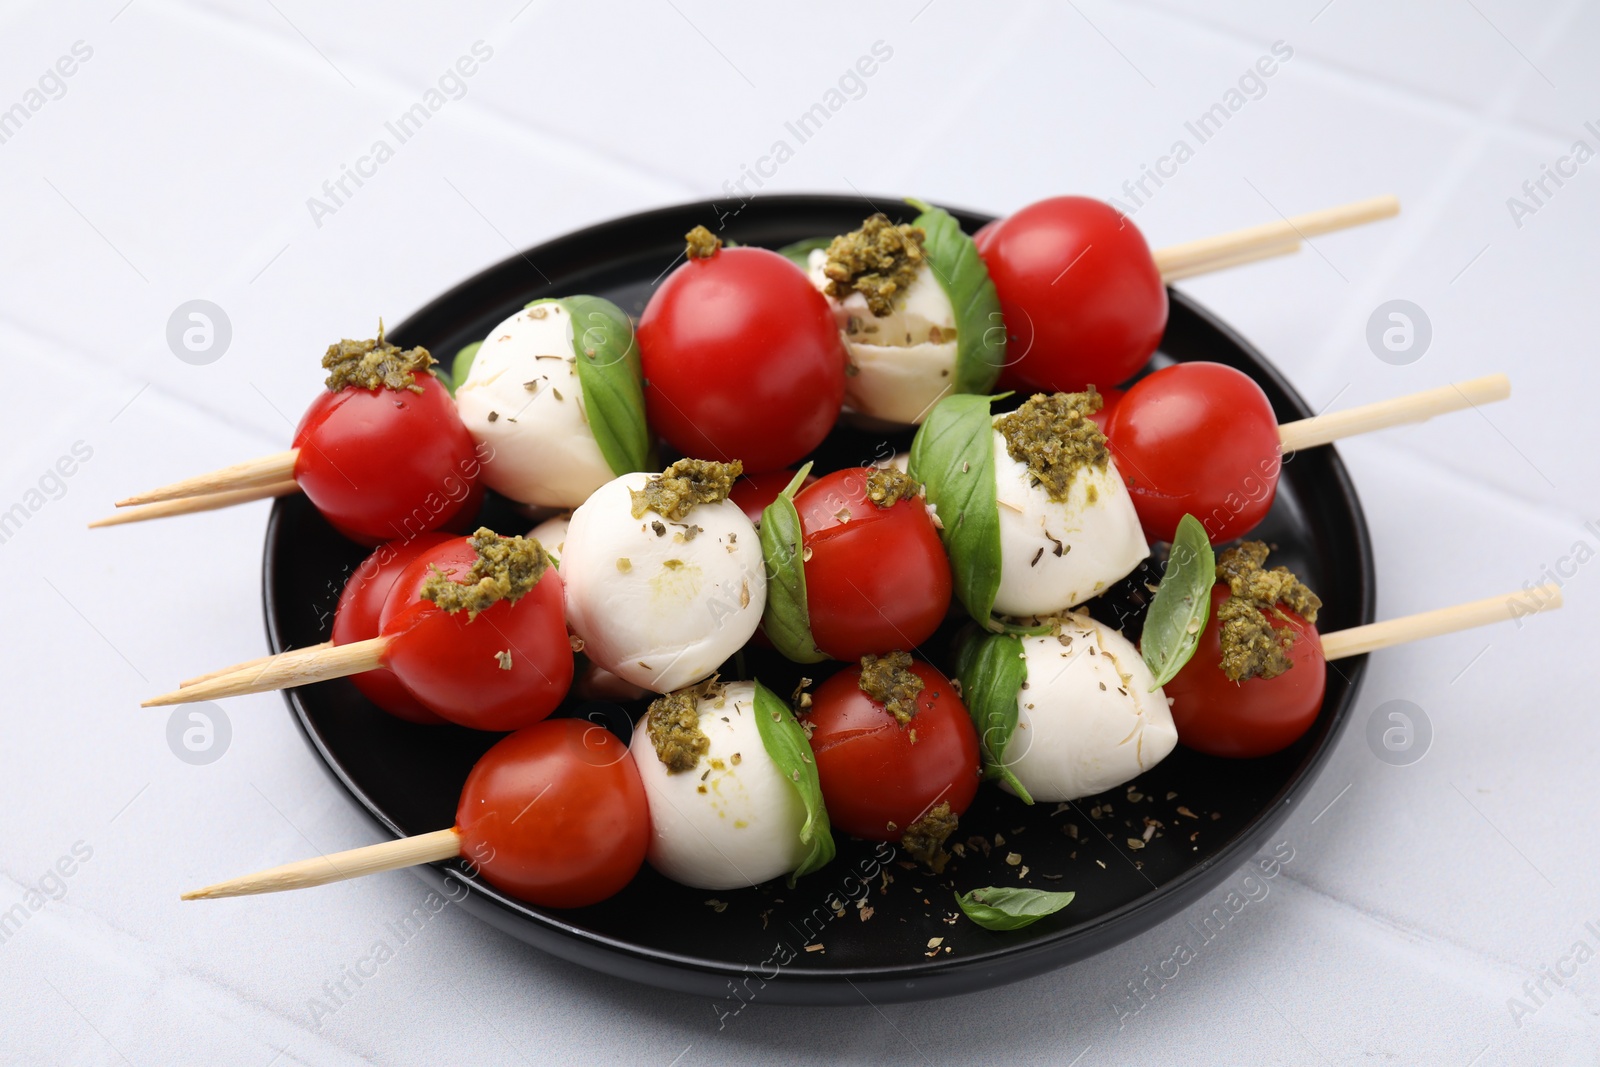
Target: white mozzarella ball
<point>1054,555</point>
<point>552,534</point>
<point>733,820</point>
<point>902,363</point>
<point>661,604</point>
<point>1087,720</point>
<point>522,400</point>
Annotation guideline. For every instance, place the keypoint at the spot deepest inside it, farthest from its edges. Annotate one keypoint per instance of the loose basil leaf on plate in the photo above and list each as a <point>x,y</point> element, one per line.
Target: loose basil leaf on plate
<point>786,618</point>
<point>786,742</point>
<point>613,383</point>
<point>799,253</point>
<point>992,670</point>
<point>953,457</point>
<point>980,328</point>
<point>1182,603</point>
<point>460,367</point>
<point>1008,908</point>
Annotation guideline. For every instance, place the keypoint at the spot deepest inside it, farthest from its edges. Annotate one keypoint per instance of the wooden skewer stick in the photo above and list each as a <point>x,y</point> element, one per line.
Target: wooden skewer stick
<point>190,504</point>
<point>1225,246</point>
<point>385,856</point>
<point>1417,407</point>
<point>1253,255</point>
<point>284,671</point>
<point>278,467</point>
<point>1362,639</point>
<point>247,665</point>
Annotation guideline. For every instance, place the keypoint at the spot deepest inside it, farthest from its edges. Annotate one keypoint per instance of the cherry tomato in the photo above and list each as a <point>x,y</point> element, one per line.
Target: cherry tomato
<point>453,664</point>
<point>878,777</point>
<point>385,464</point>
<point>1082,299</point>
<point>555,814</point>
<point>754,492</point>
<point>1199,438</point>
<point>1256,717</point>
<point>742,360</point>
<point>876,578</point>
<point>356,619</point>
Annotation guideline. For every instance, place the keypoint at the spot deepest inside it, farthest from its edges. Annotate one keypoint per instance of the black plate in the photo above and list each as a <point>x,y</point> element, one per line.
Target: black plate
<point>408,777</point>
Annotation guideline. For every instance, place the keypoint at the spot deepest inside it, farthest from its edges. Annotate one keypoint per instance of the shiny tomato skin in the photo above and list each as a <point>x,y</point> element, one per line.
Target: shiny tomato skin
<point>875,780</point>
<point>1109,399</point>
<point>754,492</point>
<point>1082,299</point>
<point>555,814</point>
<point>451,664</point>
<point>356,619</point>
<point>386,464</point>
<point>1256,717</point>
<point>742,360</point>
<point>877,579</point>
<point>1199,438</point>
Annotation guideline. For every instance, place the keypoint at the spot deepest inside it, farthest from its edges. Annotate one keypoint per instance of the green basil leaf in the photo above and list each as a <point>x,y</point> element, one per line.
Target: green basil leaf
<point>786,618</point>
<point>953,457</point>
<point>980,328</point>
<point>992,670</point>
<point>1005,908</point>
<point>799,253</point>
<point>1178,614</point>
<point>460,367</point>
<point>786,742</point>
<point>612,381</point>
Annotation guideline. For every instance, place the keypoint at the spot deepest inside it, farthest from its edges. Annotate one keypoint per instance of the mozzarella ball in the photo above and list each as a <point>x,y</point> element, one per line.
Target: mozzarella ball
<point>661,604</point>
<point>902,363</point>
<point>523,402</point>
<point>1087,720</point>
<point>1054,555</point>
<point>552,534</point>
<point>734,819</point>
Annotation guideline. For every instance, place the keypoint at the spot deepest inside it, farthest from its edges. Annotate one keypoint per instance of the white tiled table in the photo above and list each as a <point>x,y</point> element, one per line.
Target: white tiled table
<point>176,163</point>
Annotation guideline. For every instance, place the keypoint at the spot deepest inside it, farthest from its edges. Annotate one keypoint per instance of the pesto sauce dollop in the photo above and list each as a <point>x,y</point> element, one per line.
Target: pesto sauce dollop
<point>688,482</point>
<point>879,261</point>
<point>1251,646</point>
<point>924,839</point>
<point>887,486</point>
<point>889,681</point>
<point>506,568</point>
<point>673,722</point>
<point>374,364</point>
<point>1054,437</point>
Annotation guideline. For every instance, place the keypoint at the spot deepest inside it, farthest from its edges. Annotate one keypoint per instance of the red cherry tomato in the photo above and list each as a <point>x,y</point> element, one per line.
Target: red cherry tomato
<point>555,814</point>
<point>754,492</point>
<point>876,578</point>
<point>742,360</point>
<point>878,777</point>
<point>452,664</point>
<point>1083,301</point>
<point>385,464</point>
<point>1199,438</point>
<point>1256,717</point>
<point>356,619</point>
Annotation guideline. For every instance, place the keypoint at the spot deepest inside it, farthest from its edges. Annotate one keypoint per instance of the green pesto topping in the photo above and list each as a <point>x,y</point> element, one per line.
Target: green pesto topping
<point>506,568</point>
<point>703,244</point>
<point>1251,646</point>
<point>674,725</point>
<point>374,363</point>
<point>879,261</point>
<point>924,839</point>
<point>1055,437</point>
<point>889,681</point>
<point>674,492</point>
<point>887,486</point>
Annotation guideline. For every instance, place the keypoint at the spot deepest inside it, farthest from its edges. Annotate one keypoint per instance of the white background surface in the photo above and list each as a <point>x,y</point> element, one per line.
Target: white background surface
<point>178,164</point>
